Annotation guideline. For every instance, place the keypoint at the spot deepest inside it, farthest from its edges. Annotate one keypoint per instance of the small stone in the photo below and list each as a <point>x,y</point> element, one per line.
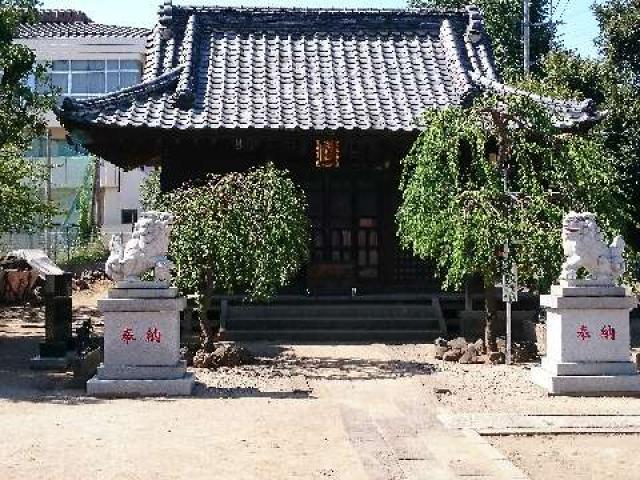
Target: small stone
<point>440,342</point>
<point>441,391</point>
<point>522,352</point>
<point>224,355</point>
<point>495,358</point>
<point>470,356</point>
<point>452,355</point>
<point>479,345</point>
<point>440,351</point>
<point>457,343</point>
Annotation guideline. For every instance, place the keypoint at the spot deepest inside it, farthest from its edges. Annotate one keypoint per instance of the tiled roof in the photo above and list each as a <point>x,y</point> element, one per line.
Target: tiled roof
<point>62,16</point>
<point>306,69</point>
<point>73,24</point>
<point>566,114</point>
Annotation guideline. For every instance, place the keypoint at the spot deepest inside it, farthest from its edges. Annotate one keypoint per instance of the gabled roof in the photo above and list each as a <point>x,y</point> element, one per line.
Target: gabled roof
<point>299,69</point>
<point>73,24</point>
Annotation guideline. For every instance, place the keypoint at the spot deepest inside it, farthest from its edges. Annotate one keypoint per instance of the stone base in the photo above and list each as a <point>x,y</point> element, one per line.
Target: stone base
<point>143,293</point>
<point>49,363</point>
<point>142,372</point>
<point>143,388</point>
<point>141,284</point>
<point>588,291</point>
<point>588,368</point>
<point>585,384</point>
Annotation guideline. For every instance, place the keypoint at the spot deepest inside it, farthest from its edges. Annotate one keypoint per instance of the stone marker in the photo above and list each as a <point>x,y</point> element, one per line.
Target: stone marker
<point>142,319</point>
<point>588,340</point>
<point>58,342</point>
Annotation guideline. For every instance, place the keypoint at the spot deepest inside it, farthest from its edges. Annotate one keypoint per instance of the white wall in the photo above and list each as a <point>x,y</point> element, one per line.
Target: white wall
<point>119,189</point>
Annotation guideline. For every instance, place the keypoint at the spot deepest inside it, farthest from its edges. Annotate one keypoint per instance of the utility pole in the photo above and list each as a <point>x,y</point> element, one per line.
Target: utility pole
<point>47,191</point>
<point>94,214</point>
<point>526,34</point>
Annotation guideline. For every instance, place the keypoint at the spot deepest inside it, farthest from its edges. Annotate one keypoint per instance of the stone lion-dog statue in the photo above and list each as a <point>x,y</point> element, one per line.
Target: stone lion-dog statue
<point>146,250</point>
<point>584,247</point>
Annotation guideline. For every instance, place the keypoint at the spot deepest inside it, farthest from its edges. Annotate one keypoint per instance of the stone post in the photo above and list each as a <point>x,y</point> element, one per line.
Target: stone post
<point>57,324</point>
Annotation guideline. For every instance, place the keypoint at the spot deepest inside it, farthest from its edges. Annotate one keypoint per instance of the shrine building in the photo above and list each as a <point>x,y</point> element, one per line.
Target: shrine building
<point>333,96</point>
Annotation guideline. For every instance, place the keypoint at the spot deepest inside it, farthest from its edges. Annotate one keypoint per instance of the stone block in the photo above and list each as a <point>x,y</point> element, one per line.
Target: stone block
<point>144,388</point>
<point>588,335</point>
<point>58,312</point>
<point>142,304</point>
<point>141,338</point>
<point>588,303</point>
<point>49,363</point>
<point>143,293</point>
<point>53,349</point>
<point>58,285</point>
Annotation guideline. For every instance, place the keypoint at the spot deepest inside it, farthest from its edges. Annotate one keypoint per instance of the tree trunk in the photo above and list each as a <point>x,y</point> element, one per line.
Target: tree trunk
<point>491,311</point>
<point>208,331</point>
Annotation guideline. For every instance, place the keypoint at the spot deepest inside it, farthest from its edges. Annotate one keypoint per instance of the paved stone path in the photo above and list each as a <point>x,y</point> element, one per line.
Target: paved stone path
<point>393,428</point>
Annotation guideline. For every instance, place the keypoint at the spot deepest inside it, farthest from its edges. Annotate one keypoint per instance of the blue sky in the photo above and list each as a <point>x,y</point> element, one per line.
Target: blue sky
<point>578,31</point>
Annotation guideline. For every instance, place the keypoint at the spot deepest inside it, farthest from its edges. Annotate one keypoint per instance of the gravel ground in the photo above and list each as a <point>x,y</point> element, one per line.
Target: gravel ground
<point>503,389</point>
<point>301,412</point>
<point>574,457</point>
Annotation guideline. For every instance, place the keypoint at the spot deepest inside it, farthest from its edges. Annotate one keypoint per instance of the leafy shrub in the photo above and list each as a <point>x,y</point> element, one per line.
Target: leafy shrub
<point>89,253</point>
<point>150,192</point>
<point>240,233</point>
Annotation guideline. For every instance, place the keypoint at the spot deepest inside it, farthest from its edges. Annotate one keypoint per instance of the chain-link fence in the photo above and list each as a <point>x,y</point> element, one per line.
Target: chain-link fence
<point>58,242</point>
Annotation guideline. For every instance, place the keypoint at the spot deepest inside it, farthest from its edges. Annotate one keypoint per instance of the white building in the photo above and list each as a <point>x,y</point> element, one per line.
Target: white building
<point>87,59</point>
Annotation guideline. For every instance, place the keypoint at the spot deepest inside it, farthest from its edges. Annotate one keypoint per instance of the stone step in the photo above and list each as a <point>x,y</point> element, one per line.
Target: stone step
<point>332,323</point>
<point>301,311</point>
<point>334,335</point>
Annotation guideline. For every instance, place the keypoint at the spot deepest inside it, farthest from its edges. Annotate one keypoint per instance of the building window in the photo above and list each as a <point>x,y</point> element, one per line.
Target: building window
<point>87,78</point>
<point>129,217</point>
<point>327,153</point>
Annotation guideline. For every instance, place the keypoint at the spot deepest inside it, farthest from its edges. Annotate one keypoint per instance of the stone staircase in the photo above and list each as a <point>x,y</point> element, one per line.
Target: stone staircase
<point>360,318</point>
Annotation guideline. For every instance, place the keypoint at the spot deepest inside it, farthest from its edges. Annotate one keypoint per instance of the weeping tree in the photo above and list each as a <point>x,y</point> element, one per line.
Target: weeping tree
<point>240,233</point>
<point>500,172</point>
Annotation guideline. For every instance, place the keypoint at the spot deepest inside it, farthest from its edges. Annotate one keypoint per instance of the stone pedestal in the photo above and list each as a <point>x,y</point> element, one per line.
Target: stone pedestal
<point>588,341</point>
<point>141,343</point>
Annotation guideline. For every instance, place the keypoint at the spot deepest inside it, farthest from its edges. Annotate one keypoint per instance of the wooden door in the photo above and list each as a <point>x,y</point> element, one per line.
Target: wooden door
<point>344,209</point>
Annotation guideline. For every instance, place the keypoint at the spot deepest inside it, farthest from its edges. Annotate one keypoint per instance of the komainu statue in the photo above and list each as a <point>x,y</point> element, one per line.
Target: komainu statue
<point>584,247</point>
<point>146,250</point>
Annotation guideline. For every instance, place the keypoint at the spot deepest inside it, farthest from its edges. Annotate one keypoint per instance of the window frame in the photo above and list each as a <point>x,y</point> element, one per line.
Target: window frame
<point>110,67</point>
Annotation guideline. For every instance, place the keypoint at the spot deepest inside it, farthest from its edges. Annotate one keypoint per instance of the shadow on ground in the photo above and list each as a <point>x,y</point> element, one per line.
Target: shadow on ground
<point>350,368</point>
<point>278,374</point>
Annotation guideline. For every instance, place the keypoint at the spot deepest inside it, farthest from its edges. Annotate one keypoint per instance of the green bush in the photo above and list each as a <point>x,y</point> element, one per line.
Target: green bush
<point>241,233</point>
<point>92,252</point>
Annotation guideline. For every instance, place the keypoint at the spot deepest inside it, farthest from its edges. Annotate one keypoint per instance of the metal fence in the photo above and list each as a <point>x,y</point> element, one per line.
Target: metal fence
<point>57,242</point>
